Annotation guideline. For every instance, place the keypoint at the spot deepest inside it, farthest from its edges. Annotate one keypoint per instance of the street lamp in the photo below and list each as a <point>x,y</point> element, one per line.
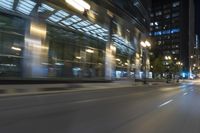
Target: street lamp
<point>180,65</point>
<point>148,44</point>
<point>168,59</point>
<point>191,61</point>
<point>145,45</point>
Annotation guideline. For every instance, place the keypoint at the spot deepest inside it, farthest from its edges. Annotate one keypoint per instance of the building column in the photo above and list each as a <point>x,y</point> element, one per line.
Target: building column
<point>35,51</point>
<point>110,53</point>
<point>138,66</point>
<point>128,67</point>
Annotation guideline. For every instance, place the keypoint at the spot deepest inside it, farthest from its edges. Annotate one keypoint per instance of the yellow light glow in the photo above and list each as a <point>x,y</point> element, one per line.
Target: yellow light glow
<point>16,49</point>
<point>39,46</point>
<point>117,59</point>
<point>92,14</point>
<point>83,4</point>
<point>78,57</point>
<point>168,57</point>
<point>35,43</point>
<point>38,30</point>
<point>148,44</point>
<point>113,48</point>
<point>89,51</point>
<point>178,63</point>
<point>80,5</point>
<point>137,55</point>
<point>143,44</point>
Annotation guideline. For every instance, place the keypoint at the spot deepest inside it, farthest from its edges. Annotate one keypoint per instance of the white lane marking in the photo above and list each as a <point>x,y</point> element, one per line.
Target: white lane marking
<point>192,90</point>
<point>165,103</point>
<point>185,93</point>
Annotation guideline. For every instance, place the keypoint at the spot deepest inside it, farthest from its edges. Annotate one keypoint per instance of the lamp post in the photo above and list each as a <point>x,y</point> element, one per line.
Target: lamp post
<point>180,65</point>
<point>145,45</point>
<point>168,59</point>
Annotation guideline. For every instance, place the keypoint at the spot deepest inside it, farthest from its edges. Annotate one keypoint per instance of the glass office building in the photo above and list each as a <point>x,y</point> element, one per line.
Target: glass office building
<point>48,39</point>
<point>173,29</point>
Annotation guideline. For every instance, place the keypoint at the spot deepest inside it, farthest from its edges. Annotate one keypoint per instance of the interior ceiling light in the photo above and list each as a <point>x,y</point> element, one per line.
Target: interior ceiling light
<point>25,6</point>
<point>80,5</point>
<point>45,7</point>
<point>7,4</point>
<point>15,48</point>
<point>89,51</point>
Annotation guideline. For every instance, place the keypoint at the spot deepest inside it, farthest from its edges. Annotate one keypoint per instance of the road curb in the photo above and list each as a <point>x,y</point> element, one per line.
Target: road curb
<point>69,88</point>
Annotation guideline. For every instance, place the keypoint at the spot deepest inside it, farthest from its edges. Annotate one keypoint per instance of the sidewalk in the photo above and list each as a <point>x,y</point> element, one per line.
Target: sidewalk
<point>7,90</point>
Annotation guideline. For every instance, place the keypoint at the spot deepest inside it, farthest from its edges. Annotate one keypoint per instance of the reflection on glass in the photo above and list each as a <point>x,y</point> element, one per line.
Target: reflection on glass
<point>56,43</point>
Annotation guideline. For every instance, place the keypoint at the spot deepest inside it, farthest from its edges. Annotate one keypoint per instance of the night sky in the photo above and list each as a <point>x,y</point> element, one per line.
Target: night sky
<point>197,3</point>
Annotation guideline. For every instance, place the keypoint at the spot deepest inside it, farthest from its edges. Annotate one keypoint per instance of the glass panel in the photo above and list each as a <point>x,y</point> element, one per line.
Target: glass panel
<point>11,45</point>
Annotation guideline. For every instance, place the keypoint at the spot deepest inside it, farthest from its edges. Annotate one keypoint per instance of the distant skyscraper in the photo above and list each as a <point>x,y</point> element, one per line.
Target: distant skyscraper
<point>172,29</point>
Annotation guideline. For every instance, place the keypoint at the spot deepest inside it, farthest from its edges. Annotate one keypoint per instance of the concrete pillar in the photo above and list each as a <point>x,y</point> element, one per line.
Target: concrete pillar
<point>35,51</point>
<point>110,53</point>
<point>138,66</point>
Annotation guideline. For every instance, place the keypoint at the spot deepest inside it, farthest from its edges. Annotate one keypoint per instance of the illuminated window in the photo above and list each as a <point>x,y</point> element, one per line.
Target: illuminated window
<point>159,13</point>
<point>156,23</point>
<point>167,16</point>
<point>166,32</point>
<point>175,46</point>
<point>176,4</point>
<point>151,24</point>
<point>175,51</point>
<point>158,33</point>
<point>175,30</point>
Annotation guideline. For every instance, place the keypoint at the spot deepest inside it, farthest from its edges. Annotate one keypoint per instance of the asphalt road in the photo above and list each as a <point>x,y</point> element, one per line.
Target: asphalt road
<point>167,109</point>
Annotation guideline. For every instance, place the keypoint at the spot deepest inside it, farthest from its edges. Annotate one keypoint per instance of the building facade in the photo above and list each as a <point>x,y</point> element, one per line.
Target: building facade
<point>48,39</point>
<point>172,28</point>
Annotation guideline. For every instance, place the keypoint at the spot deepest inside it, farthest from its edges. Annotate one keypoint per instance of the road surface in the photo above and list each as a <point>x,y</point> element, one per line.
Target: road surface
<point>150,109</point>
